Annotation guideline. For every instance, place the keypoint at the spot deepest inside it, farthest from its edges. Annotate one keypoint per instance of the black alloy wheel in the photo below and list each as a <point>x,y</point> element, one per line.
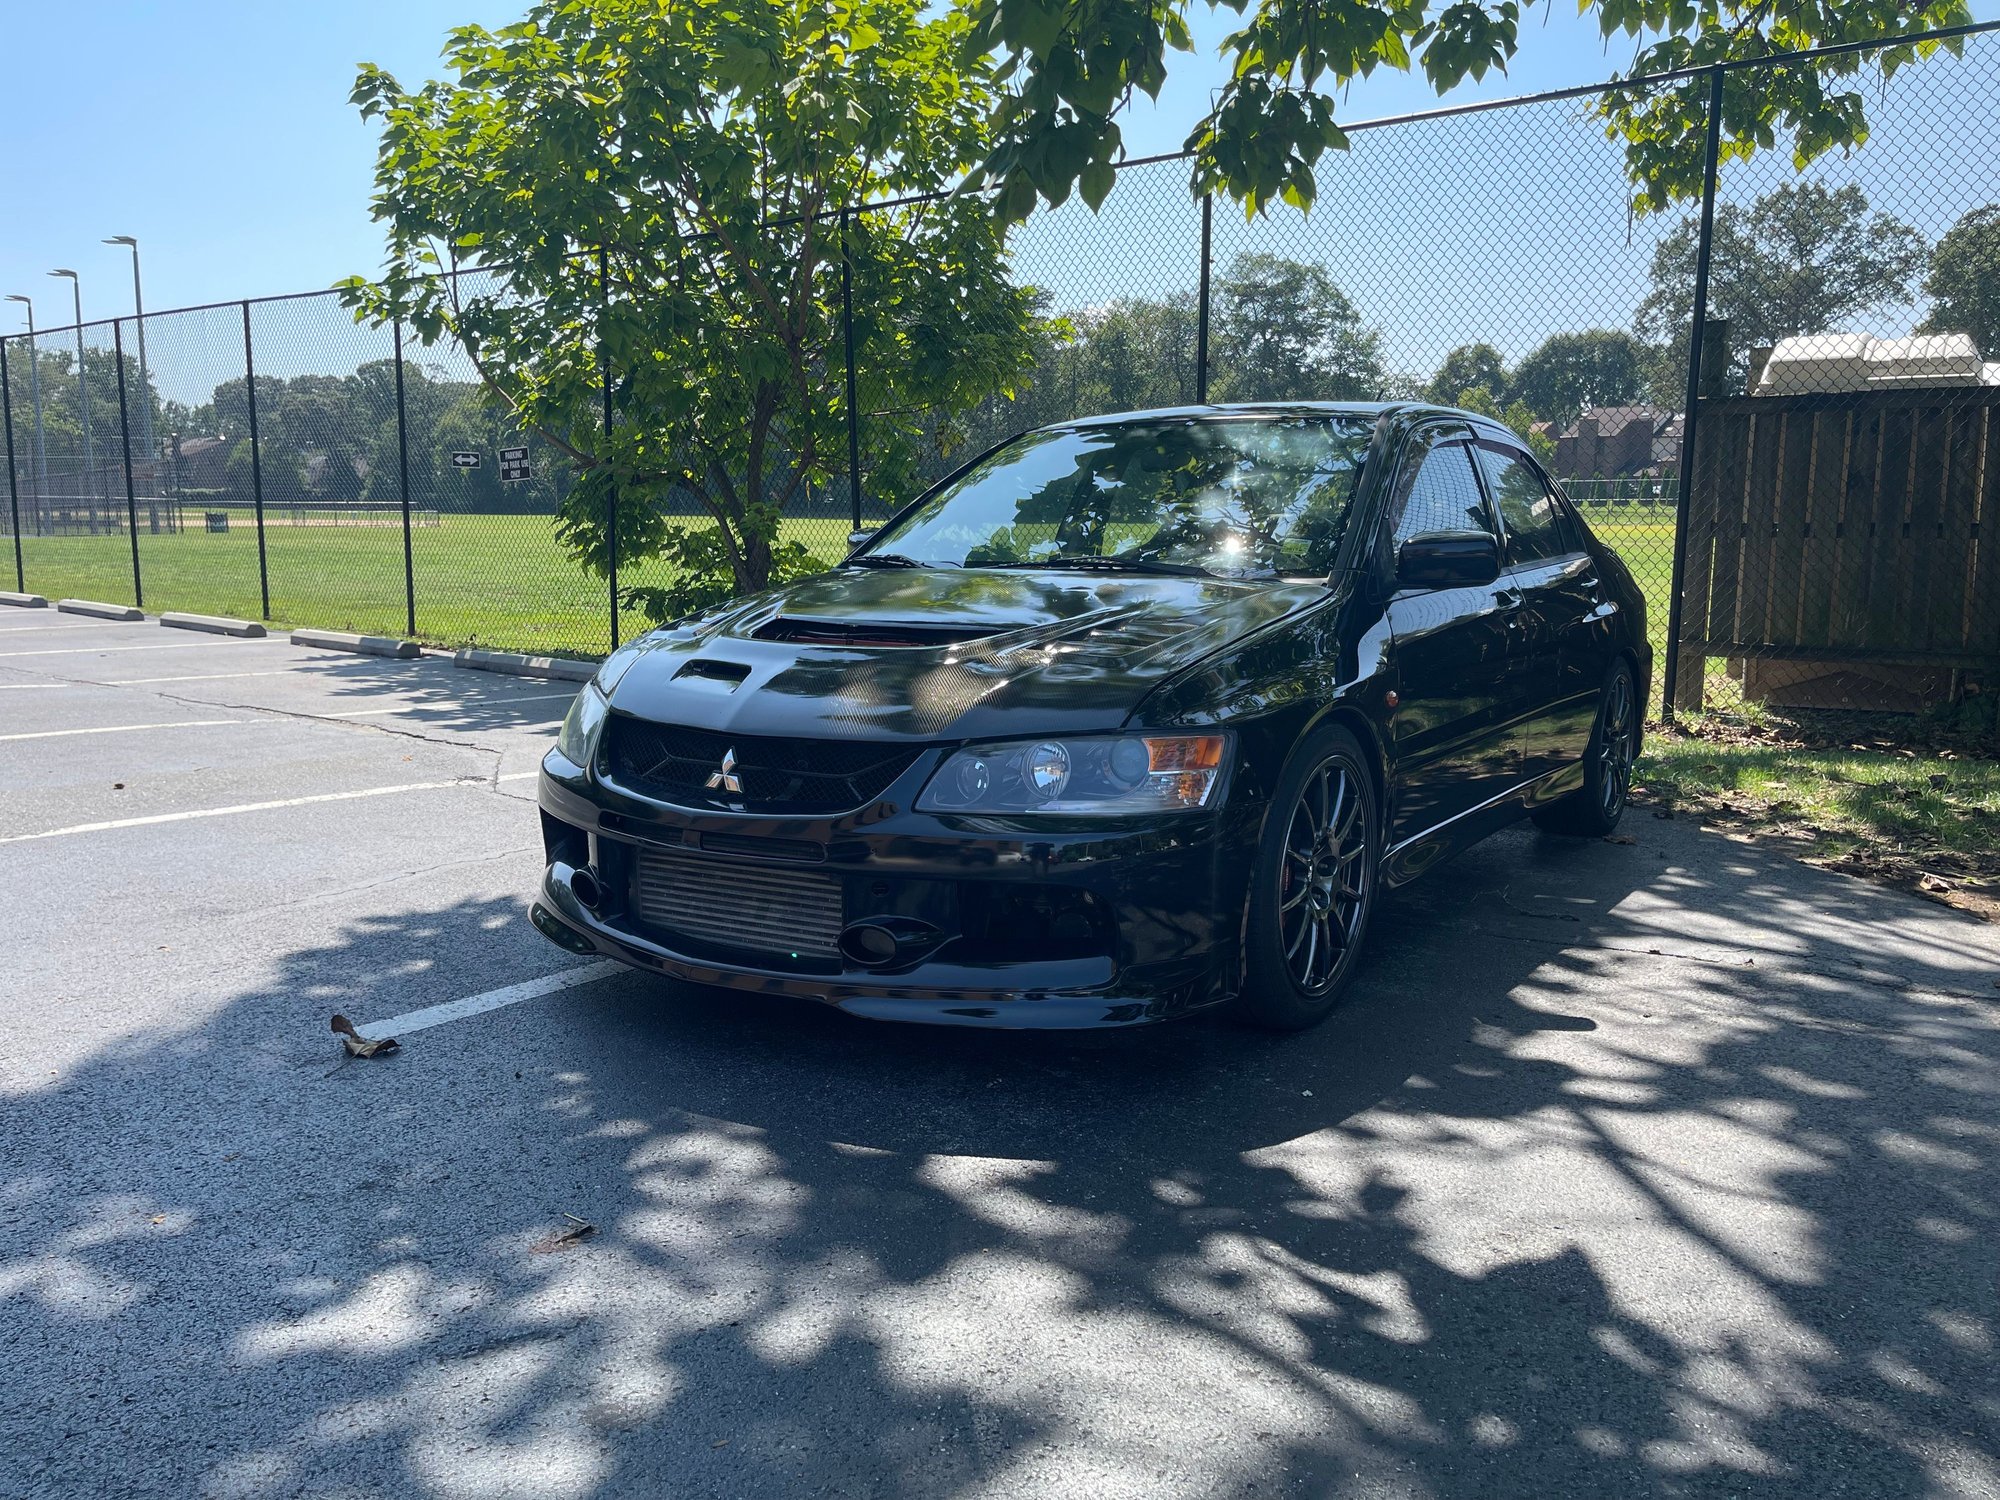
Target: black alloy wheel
<point>1315,886</point>
<point>1594,809</point>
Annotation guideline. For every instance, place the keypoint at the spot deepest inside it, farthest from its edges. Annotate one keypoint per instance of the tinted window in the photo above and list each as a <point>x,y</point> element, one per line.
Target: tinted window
<point>1535,527</point>
<point>1441,493</point>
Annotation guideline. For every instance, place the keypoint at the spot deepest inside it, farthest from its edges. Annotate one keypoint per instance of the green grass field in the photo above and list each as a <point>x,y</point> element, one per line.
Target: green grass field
<point>500,581</point>
<point>1646,543</point>
<point>497,581</point>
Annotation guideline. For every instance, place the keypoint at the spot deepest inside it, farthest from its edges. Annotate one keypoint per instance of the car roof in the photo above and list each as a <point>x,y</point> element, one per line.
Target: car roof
<point>1237,410</point>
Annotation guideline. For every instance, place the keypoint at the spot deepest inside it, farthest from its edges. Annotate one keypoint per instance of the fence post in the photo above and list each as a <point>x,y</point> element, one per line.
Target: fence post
<point>1201,305</point>
<point>1673,692</point>
<point>256,463</point>
<point>403,481</point>
<point>125,444</point>
<point>847,333</point>
<point>13,481</point>
<point>610,469</point>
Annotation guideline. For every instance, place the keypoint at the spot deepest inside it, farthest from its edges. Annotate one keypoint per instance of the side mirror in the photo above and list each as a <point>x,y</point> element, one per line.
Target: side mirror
<point>1448,560</point>
<point>856,538</point>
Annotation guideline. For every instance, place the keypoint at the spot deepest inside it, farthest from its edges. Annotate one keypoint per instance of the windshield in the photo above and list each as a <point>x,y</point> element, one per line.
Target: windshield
<point>1236,497</point>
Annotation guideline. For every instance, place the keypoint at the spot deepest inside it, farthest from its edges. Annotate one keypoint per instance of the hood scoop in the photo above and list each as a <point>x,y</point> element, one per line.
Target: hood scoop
<point>729,673</point>
<point>808,632</point>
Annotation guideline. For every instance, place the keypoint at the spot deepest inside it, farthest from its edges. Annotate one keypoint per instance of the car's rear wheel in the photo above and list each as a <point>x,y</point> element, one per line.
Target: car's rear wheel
<point>1314,889</point>
<point>1594,809</point>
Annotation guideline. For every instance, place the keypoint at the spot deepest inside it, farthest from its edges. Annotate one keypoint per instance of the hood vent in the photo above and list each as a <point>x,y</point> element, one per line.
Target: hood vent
<point>805,632</point>
<point>728,673</point>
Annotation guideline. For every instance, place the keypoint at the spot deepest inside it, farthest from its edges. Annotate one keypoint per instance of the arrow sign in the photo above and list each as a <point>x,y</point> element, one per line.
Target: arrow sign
<point>465,460</point>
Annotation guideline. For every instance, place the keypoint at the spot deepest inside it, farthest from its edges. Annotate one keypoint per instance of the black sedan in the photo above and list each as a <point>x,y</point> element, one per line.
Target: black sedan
<point>1125,718</point>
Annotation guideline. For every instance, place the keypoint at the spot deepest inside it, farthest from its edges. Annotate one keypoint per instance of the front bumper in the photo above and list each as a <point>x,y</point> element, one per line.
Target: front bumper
<point>1160,900</point>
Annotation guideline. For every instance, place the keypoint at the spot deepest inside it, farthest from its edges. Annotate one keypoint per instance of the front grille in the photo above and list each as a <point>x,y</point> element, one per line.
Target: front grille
<point>753,908</point>
<point>675,763</point>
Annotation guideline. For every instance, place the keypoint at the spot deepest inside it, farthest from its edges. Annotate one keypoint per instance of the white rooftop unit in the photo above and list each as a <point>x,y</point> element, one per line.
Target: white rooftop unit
<point>1817,362</point>
<point>1820,362</point>
<point>1926,359</point>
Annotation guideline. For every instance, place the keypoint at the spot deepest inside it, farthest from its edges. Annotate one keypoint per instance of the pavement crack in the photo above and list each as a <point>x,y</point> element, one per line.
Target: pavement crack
<point>335,720</point>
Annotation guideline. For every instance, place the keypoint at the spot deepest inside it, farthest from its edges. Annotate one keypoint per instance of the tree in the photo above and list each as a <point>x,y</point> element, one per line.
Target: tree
<point>1481,399</point>
<point>1071,65</point>
<point>1284,331</point>
<point>1467,366</point>
<point>1964,281</point>
<point>1802,259</point>
<point>1571,371</point>
<point>664,185</point>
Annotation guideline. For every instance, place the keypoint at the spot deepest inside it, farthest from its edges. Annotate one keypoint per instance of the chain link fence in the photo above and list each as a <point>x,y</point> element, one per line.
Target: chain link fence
<point>1830,539</point>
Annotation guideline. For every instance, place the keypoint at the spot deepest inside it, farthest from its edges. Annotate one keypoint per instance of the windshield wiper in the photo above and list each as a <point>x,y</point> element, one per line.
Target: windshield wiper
<point>885,560</point>
<point>1089,561</point>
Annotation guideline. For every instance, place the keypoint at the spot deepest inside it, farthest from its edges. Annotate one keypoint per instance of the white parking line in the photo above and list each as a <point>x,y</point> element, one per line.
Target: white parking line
<point>141,681</point>
<point>72,625</point>
<point>197,677</point>
<point>472,1005</point>
<point>57,734</point>
<point>251,807</point>
<point>107,650</point>
<point>241,807</point>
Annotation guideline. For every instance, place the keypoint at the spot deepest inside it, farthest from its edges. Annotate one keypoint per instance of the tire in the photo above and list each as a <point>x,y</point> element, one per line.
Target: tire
<point>1313,892</point>
<point>1594,809</point>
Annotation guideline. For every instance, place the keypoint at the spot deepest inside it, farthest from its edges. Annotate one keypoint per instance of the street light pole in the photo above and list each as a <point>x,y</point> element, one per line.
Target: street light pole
<point>145,386</point>
<point>82,384</point>
<point>35,397</point>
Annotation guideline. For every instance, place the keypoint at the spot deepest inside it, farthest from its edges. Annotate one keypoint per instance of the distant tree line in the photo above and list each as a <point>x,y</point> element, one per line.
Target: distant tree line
<point>1800,260</point>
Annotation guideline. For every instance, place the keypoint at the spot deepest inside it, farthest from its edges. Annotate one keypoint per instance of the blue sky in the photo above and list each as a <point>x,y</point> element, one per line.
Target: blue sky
<point>220,135</point>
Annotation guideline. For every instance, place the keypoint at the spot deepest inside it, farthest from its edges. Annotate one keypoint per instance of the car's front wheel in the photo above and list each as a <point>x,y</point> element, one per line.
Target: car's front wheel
<point>1314,890</point>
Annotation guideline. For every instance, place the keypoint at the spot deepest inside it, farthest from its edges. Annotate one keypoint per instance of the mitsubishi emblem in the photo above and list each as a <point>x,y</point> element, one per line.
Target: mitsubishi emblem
<point>726,779</point>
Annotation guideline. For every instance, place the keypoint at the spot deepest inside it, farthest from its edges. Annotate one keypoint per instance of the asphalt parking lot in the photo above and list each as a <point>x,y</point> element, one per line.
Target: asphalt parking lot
<point>1652,1168</point>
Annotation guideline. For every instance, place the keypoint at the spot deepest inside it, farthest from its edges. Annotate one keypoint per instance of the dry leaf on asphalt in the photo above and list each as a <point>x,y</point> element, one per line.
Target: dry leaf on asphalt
<point>1619,838</point>
<point>579,1230</point>
<point>358,1045</point>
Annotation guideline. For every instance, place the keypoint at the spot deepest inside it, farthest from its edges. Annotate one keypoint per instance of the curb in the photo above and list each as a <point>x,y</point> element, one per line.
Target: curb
<point>102,611</point>
<point>214,624</point>
<point>364,645</point>
<point>24,601</point>
<point>525,666</point>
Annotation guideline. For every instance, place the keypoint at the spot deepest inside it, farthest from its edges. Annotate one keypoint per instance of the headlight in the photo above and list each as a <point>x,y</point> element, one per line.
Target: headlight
<point>1134,773</point>
<point>576,742</point>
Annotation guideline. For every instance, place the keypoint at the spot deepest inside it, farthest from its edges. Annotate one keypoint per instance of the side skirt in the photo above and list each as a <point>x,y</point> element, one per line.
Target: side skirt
<point>1422,851</point>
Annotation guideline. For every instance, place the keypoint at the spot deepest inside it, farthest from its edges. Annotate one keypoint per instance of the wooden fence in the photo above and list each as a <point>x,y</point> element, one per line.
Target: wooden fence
<point>1857,527</point>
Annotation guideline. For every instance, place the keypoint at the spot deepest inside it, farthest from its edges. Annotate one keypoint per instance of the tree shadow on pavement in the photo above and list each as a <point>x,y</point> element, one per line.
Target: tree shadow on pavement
<point>1663,1169</point>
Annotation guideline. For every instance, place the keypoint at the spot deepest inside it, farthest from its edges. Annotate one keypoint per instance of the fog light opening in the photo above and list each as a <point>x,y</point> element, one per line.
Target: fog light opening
<point>886,942</point>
